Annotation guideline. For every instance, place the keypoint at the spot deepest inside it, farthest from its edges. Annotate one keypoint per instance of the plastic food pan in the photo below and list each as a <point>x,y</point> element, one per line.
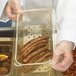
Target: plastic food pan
<point>34,40</point>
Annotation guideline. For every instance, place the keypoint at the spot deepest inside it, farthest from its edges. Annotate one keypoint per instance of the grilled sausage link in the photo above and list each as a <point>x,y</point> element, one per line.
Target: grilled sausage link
<point>44,57</point>
<point>33,47</point>
<point>33,54</point>
<point>27,45</point>
<point>38,58</point>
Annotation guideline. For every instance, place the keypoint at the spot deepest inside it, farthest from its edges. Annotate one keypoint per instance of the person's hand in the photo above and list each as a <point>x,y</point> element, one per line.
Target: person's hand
<point>62,56</point>
<point>13,8</point>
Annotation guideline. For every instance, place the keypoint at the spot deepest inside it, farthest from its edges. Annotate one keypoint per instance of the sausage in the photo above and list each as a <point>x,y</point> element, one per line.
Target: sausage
<point>44,57</point>
<point>35,51</point>
<point>33,59</point>
<point>40,50</point>
<point>27,45</point>
<point>34,47</point>
<point>37,58</point>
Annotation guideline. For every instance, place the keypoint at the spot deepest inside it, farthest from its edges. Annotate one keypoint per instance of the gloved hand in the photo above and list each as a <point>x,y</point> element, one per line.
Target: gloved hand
<point>13,8</point>
<point>62,56</point>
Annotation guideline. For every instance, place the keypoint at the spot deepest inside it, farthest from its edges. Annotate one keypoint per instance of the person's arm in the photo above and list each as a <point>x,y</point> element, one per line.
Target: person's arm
<point>67,36</point>
<point>68,27</point>
<point>2,6</point>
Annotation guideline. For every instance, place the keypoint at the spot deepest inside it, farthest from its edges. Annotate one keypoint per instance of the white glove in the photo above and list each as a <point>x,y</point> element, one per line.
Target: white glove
<point>13,8</point>
<point>62,56</point>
